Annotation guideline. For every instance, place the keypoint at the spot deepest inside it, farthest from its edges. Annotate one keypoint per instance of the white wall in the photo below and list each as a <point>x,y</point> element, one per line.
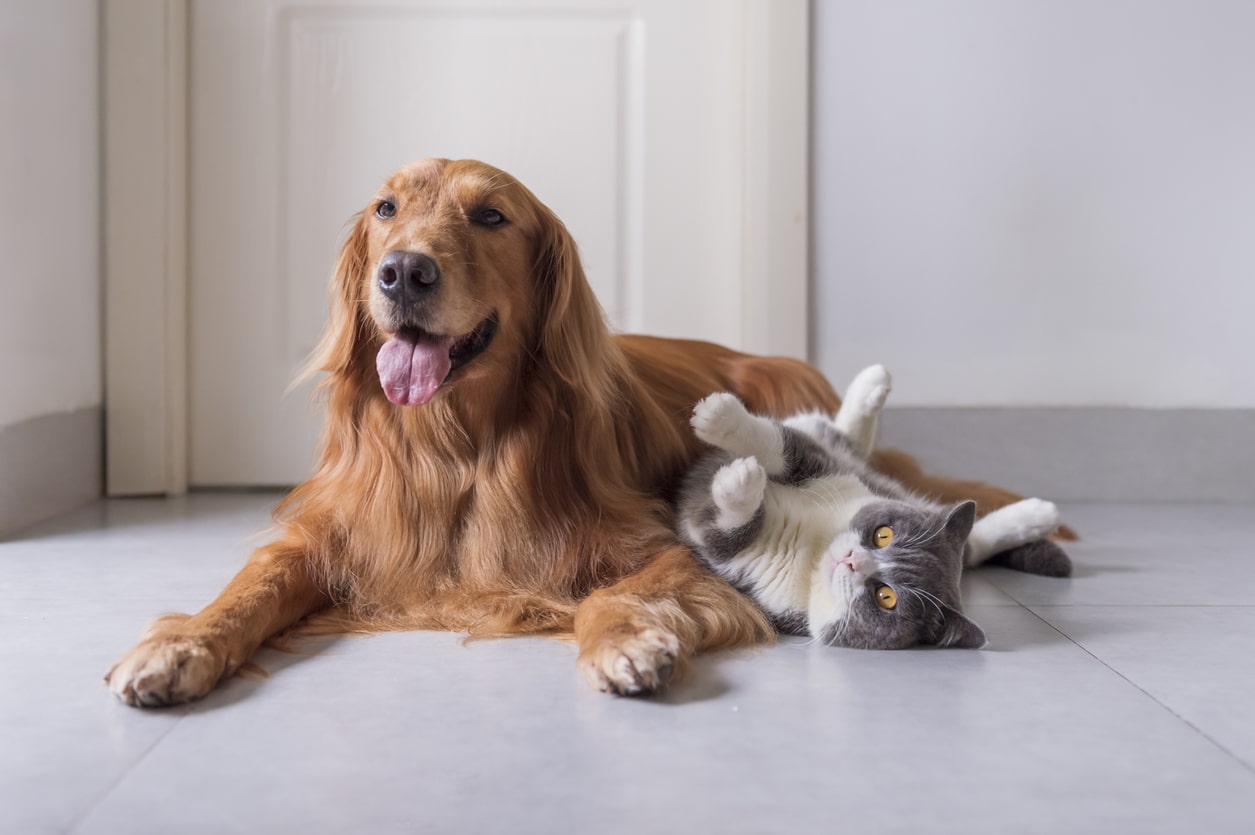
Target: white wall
<point>1021,202</point>
<point>49,208</point>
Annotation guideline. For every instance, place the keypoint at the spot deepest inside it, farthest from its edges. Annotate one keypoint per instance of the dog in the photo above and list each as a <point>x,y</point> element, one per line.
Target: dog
<point>494,460</point>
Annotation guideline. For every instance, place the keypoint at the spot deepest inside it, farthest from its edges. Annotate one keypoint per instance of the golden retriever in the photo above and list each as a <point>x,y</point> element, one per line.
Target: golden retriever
<point>494,460</point>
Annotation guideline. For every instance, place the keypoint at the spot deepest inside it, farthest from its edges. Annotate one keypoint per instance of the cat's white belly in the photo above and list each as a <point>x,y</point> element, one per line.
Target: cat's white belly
<point>799,525</point>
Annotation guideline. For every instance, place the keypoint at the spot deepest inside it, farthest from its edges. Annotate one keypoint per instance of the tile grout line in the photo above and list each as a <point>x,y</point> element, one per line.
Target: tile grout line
<point>1140,605</point>
<point>1239,760</point>
<point>78,820</point>
<point>1030,608</point>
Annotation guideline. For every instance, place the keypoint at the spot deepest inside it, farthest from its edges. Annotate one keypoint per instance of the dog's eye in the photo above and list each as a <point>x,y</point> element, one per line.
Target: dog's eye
<point>488,217</point>
<point>386,209</point>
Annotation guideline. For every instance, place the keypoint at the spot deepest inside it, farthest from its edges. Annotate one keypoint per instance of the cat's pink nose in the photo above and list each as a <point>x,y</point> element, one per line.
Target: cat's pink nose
<point>856,561</point>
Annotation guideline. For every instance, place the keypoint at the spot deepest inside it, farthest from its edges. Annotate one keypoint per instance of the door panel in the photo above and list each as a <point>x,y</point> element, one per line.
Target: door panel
<point>626,118</point>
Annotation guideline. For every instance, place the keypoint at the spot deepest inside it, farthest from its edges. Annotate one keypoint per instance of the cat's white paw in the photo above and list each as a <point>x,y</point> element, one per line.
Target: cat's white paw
<point>1036,518</point>
<point>1021,522</point>
<point>738,492</point>
<point>1027,520</point>
<point>869,389</point>
<point>719,419</point>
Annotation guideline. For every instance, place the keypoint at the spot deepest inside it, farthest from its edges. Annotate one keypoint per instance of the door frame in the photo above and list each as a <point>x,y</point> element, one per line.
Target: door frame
<point>144,122</point>
<point>145,229</point>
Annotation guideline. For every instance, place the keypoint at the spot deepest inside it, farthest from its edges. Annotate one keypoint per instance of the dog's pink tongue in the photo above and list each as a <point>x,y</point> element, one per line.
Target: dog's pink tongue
<point>411,370</point>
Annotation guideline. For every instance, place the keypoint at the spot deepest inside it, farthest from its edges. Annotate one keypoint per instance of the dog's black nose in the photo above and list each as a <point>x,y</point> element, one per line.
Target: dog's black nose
<point>406,277</point>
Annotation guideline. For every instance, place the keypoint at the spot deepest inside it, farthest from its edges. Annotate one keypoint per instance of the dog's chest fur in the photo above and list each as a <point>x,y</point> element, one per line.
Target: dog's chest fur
<point>515,512</point>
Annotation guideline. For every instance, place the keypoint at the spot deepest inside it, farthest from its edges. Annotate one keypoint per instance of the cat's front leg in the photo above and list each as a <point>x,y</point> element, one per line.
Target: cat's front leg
<point>722,420</point>
<point>864,398</point>
<point>1008,527</point>
<point>738,493</point>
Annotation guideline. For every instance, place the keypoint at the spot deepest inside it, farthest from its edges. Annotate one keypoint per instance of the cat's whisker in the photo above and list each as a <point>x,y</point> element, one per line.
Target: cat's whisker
<point>845,621</point>
<point>928,597</point>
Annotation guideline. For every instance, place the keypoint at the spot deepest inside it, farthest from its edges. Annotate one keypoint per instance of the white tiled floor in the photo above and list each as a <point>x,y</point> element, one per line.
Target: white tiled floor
<point>1118,701</point>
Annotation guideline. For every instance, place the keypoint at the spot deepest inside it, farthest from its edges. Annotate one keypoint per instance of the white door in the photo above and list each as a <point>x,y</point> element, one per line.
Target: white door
<point>670,136</point>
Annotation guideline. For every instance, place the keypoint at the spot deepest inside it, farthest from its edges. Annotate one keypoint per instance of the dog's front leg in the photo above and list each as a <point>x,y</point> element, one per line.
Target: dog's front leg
<point>181,657</point>
<point>641,632</point>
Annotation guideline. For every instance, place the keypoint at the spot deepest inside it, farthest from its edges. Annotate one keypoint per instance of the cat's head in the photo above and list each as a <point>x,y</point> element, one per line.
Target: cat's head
<point>892,580</point>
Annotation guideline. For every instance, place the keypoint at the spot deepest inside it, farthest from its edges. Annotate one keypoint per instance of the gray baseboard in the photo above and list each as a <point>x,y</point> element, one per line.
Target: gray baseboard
<point>52,464</point>
<point>1099,454</point>
<point>48,465</point>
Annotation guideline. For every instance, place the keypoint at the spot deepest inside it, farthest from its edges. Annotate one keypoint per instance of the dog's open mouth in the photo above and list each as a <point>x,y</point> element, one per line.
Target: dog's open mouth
<point>414,364</point>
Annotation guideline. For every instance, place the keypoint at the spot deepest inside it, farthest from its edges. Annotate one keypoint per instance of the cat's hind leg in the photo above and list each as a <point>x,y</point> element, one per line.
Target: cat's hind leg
<point>722,420</point>
<point>864,398</point>
<point>1041,556</point>
<point>738,493</point>
<point>1009,527</point>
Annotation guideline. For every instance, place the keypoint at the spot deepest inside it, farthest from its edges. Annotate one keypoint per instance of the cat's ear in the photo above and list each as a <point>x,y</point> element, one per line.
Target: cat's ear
<point>959,632</point>
<point>960,520</point>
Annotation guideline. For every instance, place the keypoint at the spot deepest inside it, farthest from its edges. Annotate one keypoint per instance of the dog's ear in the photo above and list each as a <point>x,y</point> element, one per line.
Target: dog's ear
<point>347,328</point>
<point>572,328</point>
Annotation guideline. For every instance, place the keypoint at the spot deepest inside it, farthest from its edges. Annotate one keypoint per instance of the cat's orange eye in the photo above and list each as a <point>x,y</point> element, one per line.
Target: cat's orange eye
<point>883,536</point>
<point>886,598</point>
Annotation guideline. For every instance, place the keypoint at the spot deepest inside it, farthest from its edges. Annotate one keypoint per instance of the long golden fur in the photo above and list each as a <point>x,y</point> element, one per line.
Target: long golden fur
<point>527,496</point>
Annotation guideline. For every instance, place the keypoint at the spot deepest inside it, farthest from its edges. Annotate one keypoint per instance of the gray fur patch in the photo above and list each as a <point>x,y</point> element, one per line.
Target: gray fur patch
<point>1041,556</point>
<point>790,623</point>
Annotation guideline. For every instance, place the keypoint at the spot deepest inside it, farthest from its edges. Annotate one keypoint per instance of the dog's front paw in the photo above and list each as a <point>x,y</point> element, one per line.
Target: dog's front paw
<point>166,669</point>
<point>719,419</point>
<point>630,660</point>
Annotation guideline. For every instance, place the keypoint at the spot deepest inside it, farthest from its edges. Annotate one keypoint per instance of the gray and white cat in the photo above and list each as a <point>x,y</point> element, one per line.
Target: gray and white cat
<point>791,513</point>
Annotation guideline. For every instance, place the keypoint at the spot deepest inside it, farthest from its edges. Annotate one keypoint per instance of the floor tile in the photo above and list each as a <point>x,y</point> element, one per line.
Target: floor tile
<point>172,553</point>
<point>65,742</point>
<point>1115,704</point>
<point>1194,660</point>
<point>977,590</point>
<point>1147,555</point>
<point>501,736</point>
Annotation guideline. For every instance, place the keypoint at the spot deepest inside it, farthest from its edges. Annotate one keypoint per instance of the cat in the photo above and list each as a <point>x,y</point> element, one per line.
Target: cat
<point>791,513</point>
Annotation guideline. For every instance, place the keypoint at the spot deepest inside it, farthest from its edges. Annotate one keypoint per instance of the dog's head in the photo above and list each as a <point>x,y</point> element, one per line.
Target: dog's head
<point>454,269</point>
